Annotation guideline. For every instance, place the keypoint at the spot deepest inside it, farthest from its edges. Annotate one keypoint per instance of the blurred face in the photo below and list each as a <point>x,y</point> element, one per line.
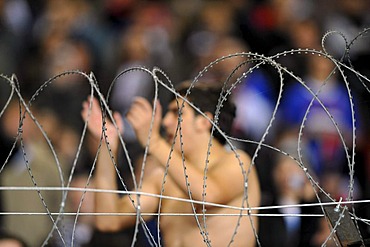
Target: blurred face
<point>188,125</point>
<point>289,177</point>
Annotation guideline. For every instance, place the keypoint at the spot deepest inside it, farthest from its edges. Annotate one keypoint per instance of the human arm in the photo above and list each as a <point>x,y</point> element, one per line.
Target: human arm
<point>105,176</point>
<point>220,182</point>
<point>224,179</point>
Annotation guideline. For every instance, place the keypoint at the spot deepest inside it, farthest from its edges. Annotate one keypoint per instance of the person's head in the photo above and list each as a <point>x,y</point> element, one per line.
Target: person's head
<point>205,96</point>
<point>291,182</point>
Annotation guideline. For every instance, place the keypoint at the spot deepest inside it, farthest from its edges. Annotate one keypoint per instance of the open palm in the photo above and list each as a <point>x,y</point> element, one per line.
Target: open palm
<point>93,115</point>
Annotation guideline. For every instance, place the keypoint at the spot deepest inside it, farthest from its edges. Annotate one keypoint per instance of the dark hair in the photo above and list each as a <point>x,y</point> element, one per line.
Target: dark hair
<point>205,96</point>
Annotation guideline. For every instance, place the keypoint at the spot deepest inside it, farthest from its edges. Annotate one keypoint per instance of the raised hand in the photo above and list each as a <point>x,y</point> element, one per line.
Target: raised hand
<point>140,117</point>
<point>95,121</point>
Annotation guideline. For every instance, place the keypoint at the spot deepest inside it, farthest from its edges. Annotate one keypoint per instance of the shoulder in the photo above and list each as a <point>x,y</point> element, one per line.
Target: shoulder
<point>153,171</point>
<point>232,162</point>
<point>237,156</point>
<point>239,161</point>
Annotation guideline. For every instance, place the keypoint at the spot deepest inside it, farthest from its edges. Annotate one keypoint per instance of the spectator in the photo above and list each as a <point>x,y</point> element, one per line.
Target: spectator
<point>179,230</point>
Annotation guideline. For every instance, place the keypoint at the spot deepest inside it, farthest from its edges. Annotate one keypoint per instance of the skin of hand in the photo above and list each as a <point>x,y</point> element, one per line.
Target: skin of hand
<point>105,174</point>
<point>197,127</point>
<point>222,178</point>
<point>94,117</point>
<point>140,117</point>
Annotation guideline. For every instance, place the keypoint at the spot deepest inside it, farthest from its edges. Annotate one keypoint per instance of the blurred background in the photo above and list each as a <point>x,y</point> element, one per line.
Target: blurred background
<point>43,38</point>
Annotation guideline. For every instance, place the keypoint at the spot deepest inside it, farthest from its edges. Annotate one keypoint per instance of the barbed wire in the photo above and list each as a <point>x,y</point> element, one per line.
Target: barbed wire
<point>161,81</point>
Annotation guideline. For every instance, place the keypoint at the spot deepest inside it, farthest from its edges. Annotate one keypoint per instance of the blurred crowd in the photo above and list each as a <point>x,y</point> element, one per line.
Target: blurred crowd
<point>41,39</point>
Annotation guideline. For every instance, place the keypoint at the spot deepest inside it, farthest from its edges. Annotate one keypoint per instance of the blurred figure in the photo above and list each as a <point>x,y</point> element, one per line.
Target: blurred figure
<point>144,43</point>
<point>291,187</point>
<point>80,34</point>
<point>33,165</point>
<point>15,23</point>
<point>84,227</point>
<point>213,23</point>
<point>5,140</point>
<point>196,130</point>
<point>83,230</point>
<point>349,17</point>
<point>69,35</point>
<point>325,153</point>
<point>322,233</point>
<point>66,94</point>
<point>301,34</point>
<point>254,96</point>
<point>134,53</point>
<point>254,93</point>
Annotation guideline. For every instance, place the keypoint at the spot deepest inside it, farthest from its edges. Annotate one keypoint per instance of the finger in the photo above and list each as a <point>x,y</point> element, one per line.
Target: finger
<point>136,121</point>
<point>140,109</point>
<point>136,112</point>
<point>142,103</point>
<point>158,110</point>
<point>96,108</point>
<point>158,114</point>
<point>86,108</point>
<point>118,118</point>
<point>132,117</point>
